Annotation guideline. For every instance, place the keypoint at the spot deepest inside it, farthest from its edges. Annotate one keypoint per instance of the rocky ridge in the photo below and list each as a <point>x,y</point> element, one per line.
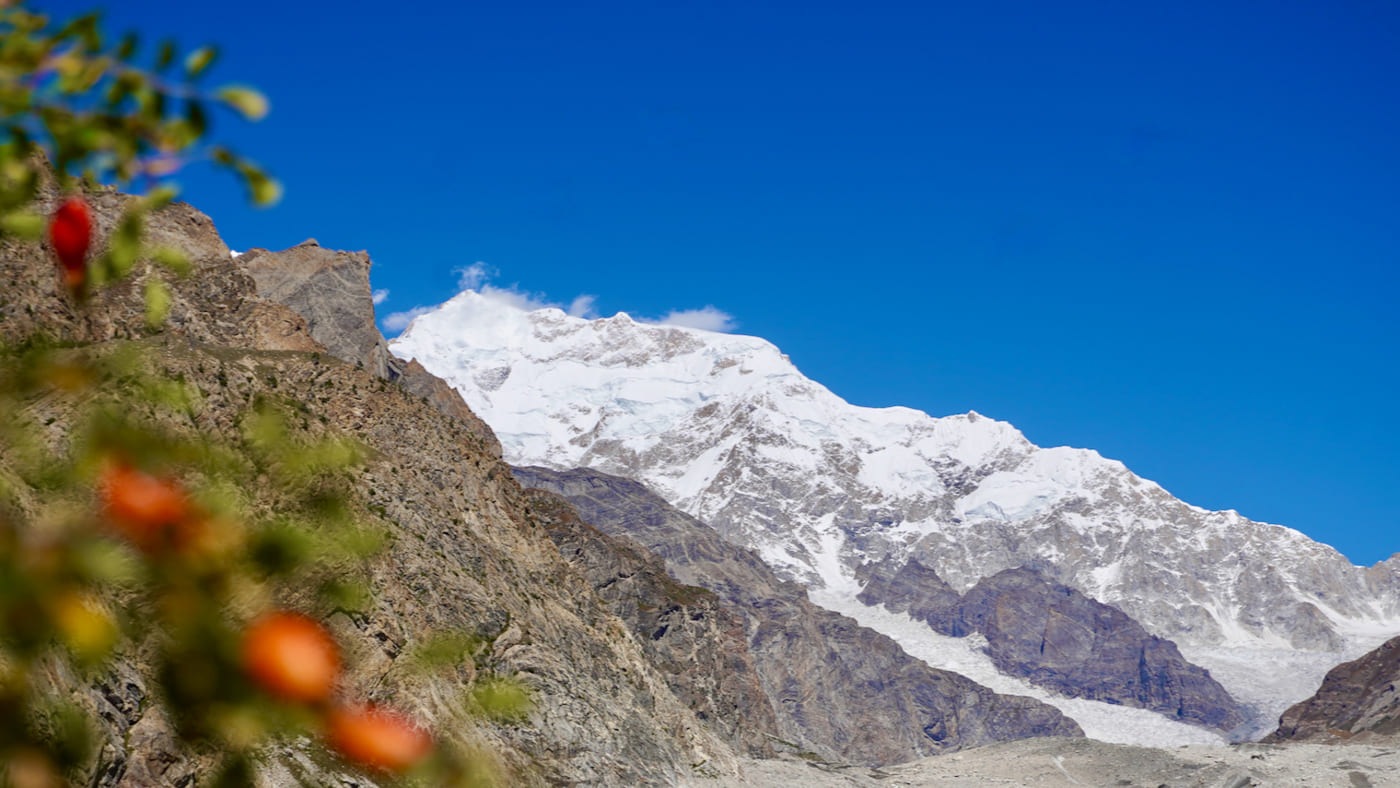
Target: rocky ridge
<point>330,290</point>
<point>1358,701</point>
<point>840,690</point>
<point>465,550</point>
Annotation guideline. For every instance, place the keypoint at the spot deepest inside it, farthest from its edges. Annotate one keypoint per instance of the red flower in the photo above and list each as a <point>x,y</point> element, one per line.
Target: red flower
<point>70,235</point>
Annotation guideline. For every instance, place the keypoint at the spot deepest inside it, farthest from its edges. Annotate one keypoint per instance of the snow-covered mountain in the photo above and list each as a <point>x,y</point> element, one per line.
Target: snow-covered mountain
<point>727,429</point>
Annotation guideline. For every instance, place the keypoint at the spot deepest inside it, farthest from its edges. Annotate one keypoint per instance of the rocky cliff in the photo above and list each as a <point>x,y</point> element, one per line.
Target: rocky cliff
<point>1358,701</point>
<point>915,589</point>
<point>1058,638</point>
<point>838,689</point>
<point>465,551</point>
<point>330,290</point>
<point>697,643</point>
<point>1061,639</point>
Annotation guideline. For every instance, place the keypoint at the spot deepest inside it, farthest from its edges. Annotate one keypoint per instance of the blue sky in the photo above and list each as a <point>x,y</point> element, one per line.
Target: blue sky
<point>1167,232</point>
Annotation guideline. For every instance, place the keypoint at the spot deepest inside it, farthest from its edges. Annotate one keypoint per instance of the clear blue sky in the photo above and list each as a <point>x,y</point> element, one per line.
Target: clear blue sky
<point>1169,232</point>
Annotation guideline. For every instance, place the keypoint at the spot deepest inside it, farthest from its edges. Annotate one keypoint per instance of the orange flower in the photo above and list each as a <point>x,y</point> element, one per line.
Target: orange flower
<point>154,514</point>
<point>291,657</point>
<point>377,738</point>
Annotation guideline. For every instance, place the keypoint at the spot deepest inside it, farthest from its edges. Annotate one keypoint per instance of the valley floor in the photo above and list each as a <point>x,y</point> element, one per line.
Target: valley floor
<point>1085,762</point>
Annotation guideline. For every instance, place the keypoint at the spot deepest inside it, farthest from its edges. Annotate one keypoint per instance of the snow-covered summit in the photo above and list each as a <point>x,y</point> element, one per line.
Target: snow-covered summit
<point>726,428</point>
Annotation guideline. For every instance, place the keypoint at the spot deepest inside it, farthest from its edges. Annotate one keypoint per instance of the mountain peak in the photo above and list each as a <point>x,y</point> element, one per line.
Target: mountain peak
<point>727,429</point>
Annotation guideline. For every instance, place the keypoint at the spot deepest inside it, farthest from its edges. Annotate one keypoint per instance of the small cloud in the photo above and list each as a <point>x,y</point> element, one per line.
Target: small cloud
<point>514,296</point>
<point>395,322</point>
<point>706,319</point>
<point>474,276</point>
<point>582,306</point>
<point>379,296</point>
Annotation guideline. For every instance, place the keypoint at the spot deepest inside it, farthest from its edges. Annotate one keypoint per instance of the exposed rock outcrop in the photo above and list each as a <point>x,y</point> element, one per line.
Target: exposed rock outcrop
<point>1057,638</point>
<point>217,303</point>
<point>1358,701</point>
<point>1061,639</point>
<point>841,690</point>
<point>694,641</point>
<point>917,590</point>
<point>331,290</point>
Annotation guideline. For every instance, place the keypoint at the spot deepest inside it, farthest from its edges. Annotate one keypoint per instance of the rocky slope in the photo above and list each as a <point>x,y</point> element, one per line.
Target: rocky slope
<point>1058,638</point>
<point>726,429</point>
<point>465,550</point>
<point>1358,701</point>
<point>698,643</point>
<point>838,689</point>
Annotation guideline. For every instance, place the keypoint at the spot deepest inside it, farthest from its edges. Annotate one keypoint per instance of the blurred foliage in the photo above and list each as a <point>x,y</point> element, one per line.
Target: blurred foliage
<point>124,532</point>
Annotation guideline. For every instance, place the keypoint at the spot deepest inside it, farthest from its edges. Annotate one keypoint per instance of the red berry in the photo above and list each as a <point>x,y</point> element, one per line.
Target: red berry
<point>291,657</point>
<point>70,234</point>
<point>154,514</point>
<point>377,738</point>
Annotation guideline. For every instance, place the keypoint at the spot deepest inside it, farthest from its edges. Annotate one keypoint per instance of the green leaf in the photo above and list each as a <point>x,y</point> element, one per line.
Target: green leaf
<point>199,60</point>
<point>127,47</point>
<point>443,650</point>
<point>502,699</point>
<point>194,115</point>
<point>157,302</point>
<point>250,103</point>
<point>166,56</point>
<point>222,155</point>
<point>265,190</point>
<point>160,197</point>
<point>174,259</point>
<point>23,224</point>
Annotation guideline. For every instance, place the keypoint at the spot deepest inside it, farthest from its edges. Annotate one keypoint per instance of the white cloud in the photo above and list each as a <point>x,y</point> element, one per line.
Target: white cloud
<point>478,275</point>
<point>474,276</point>
<point>514,296</point>
<point>582,306</point>
<point>394,322</point>
<point>706,319</point>
<point>378,296</point>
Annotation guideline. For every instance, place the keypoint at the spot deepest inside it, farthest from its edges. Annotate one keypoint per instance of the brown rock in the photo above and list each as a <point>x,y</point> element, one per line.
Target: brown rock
<point>1358,701</point>
<point>331,290</point>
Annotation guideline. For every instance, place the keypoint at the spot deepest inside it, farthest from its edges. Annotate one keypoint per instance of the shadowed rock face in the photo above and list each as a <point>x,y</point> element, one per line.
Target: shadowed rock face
<point>331,290</point>
<point>838,689</point>
<point>1057,638</point>
<point>1358,701</point>
<point>917,590</point>
<point>1061,639</point>
<point>693,640</point>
